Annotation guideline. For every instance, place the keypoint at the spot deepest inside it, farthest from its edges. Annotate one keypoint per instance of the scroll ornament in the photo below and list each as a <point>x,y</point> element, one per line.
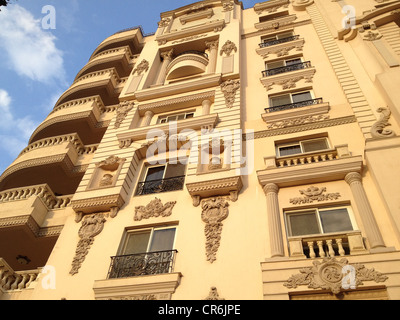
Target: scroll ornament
<point>154,209</point>
<point>378,129</point>
<point>333,275</point>
<point>312,194</point>
<point>214,211</point>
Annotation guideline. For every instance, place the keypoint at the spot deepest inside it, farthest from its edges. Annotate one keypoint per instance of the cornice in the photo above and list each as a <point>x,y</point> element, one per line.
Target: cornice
<point>281,49</point>
<point>289,79</point>
<point>93,204</point>
<point>29,223</point>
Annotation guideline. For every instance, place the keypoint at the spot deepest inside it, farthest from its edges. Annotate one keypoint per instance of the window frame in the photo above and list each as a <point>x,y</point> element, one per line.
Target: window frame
<point>284,62</point>
<point>288,213</point>
<point>166,116</point>
<point>290,94</point>
<point>299,143</point>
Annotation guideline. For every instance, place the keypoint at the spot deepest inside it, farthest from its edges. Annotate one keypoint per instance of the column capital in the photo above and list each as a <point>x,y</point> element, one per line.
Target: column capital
<point>167,55</point>
<point>270,187</point>
<point>212,44</point>
<point>353,177</point>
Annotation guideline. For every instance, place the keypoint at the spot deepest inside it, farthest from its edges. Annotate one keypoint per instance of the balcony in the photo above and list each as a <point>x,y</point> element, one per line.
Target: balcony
<point>188,63</point>
<point>142,264</point>
<point>278,41</point>
<point>161,185</point>
<point>295,105</point>
<point>327,245</point>
<point>293,67</point>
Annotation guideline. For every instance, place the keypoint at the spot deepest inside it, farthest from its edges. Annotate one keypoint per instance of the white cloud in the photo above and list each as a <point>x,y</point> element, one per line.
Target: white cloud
<point>14,132</point>
<point>31,51</point>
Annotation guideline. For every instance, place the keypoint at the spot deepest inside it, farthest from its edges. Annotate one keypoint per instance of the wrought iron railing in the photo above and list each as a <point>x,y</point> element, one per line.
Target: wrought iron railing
<point>294,105</point>
<point>293,67</point>
<point>162,185</point>
<point>142,264</point>
<point>278,41</point>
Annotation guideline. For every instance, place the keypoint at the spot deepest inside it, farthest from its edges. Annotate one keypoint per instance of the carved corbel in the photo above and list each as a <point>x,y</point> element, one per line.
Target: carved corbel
<point>378,129</point>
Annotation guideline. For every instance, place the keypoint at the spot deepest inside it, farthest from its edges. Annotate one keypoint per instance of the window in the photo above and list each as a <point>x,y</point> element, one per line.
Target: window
<point>282,63</point>
<point>282,66</point>
<point>303,146</point>
<point>291,100</point>
<point>162,178</point>
<point>319,221</point>
<point>144,252</point>
<point>278,38</point>
<point>175,117</point>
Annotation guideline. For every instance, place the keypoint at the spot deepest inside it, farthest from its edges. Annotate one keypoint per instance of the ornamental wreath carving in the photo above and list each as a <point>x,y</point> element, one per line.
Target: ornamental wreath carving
<point>214,211</point>
<point>333,275</point>
<point>154,209</point>
<point>92,225</point>
<point>312,194</point>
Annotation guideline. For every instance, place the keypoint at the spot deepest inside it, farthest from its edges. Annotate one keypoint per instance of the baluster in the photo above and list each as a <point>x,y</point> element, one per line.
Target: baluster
<point>295,161</point>
<point>311,247</point>
<point>15,283</point>
<point>330,248</point>
<point>316,158</point>
<point>321,249</point>
<point>25,277</point>
<point>340,246</point>
<point>330,156</point>
<point>9,280</point>
<point>323,157</point>
<point>32,277</point>
<point>309,160</point>
<point>302,160</point>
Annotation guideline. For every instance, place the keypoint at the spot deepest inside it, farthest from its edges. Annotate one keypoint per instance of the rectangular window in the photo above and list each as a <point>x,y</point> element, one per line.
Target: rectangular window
<point>303,146</point>
<point>318,221</point>
<point>162,178</point>
<point>145,252</point>
<point>175,117</point>
<point>290,98</point>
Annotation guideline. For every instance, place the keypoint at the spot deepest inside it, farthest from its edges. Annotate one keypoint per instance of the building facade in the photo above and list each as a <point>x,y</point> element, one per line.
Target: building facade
<point>235,153</point>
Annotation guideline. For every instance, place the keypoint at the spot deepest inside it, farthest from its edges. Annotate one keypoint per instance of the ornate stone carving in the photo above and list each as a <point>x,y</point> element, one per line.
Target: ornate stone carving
<point>229,89</point>
<point>164,22</point>
<point>213,295</point>
<point>312,194</point>
<point>329,273</point>
<point>141,67</point>
<point>227,48</point>
<point>297,121</point>
<point>122,111</point>
<point>92,225</point>
<point>214,211</point>
<point>378,129</point>
<point>154,209</point>
<point>372,36</point>
<point>300,5</point>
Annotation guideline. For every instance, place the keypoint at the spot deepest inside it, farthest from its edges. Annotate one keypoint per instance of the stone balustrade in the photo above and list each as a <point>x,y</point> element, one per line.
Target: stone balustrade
<point>328,245</point>
<point>307,158</point>
<point>42,191</point>
<point>16,280</point>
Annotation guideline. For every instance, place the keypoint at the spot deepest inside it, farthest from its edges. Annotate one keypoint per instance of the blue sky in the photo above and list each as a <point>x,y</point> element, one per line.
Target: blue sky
<point>38,64</point>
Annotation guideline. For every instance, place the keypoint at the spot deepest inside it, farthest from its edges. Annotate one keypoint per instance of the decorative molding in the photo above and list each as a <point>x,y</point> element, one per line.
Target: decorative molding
<point>143,66</point>
<point>378,129</point>
<point>92,225</point>
<point>229,187</point>
<point>270,6</point>
<point>297,121</point>
<point>300,5</point>
<point>372,36</point>
<point>122,111</point>
<point>30,223</point>
<point>110,203</point>
<point>312,194</point>
<point>213,294</point>
<point>214,211</point>
<point>281,49</point>
<point>229,89</point>
<point>154,209</point>
<point>288,80</point>
<point>227,48</point>
<point>276,23</point>
<point>328,275</point>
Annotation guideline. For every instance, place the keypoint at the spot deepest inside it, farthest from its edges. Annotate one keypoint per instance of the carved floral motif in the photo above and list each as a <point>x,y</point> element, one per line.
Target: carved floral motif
<point>154,209</point>
<point>229,89</point>
<point>213,295</point>
<point>92,225</point>
<point>122,111</point>
<point>214,211</point>
<point>141,67</point>
<point>312,194</point>
<point>227,48</point>
<point>328,274</point>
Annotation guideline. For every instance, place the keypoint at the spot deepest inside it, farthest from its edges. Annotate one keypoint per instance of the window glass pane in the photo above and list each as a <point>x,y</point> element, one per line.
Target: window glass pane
<point>314,145</point>
<point>181,116</point>
<point>280,101</point>
<point>274,65</point>
<point>163,120</point>
<point>289,150</point>
<point>189,115</point>
<point>299,97</point>
<point>172,118</point>
<point>303,224</point>
<point>335,220</point>
<point>292,62</point>
<point>175,170</point>
<point>155,173</point>
<point>163,239</point>
<point>137,242</point>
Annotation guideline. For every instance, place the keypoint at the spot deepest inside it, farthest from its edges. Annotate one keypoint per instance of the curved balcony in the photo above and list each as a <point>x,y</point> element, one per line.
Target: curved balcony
<point>118,58</point>
<point>132,38</point>
<point>186,64</point>
<point>87,117</point>
<point>59,162</point>
<point>104,83</point>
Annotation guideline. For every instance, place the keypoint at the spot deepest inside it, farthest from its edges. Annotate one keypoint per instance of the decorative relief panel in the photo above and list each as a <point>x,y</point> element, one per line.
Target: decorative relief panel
<point>227,48</point>
<point>328,274</point>
<point>378,129</point>
<point>229,88</point>
<point>213,295</point>
<point>154,209</point>
<point>122,111</point>
<point>312,194</point>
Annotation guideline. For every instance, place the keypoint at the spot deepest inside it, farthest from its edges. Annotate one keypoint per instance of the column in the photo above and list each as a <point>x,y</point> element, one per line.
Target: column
<point>274,221</point>
<point>212,57</point>
<point>371,228</point>
<point>206,107</point>
<point>147,118</point>
<point>167,58</point>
